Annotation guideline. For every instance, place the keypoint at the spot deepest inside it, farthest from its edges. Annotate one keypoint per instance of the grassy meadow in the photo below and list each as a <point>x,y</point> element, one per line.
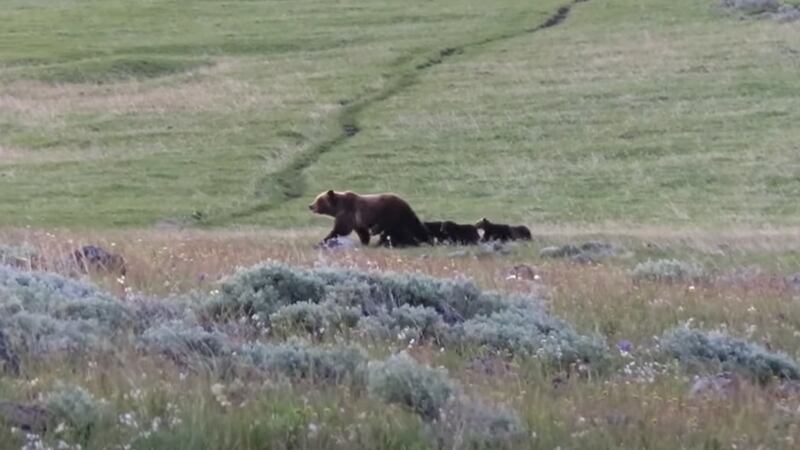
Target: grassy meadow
<point>189,136</point>
<point>645,112</point>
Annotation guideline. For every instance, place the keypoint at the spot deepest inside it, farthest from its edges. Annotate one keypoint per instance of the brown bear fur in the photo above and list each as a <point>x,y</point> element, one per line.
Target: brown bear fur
<point>367,215</point>
<point>460,234</point>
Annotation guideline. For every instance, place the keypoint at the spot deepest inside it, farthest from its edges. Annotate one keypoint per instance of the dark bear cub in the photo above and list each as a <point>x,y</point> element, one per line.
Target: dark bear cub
<point>502,232</point>
<point>521,232</point>
<point>494,231</point>
<point>460,234</point>
<point>435,231</point>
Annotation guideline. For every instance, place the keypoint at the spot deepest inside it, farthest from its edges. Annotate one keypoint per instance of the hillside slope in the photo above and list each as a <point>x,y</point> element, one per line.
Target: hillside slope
<point>119,114</point>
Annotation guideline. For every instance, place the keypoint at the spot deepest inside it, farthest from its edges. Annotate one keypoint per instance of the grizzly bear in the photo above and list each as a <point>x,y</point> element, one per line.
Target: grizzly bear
<point>460,234</point>
<point>385,214</point>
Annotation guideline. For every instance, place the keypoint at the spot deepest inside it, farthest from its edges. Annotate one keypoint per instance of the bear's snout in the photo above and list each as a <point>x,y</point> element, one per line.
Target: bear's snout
<point>311,207</point>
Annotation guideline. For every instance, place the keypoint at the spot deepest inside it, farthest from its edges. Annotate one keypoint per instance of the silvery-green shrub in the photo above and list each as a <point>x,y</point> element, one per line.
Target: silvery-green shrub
<point>401,305</point>
<point>263,289</point>
<point>269,287</point>
<point>470,423</point>
<point>404,323</point>
<point>182,343</point>
<point>16,255</point>
<point>314,318</point>
<point>668,270</point>
<point>752,6</point>
<point>713,350</point>
<point>76,407</point>
<point>530,331</point>
<point>401,380</point>
<point>42,313</point>
<point>298,361</point>
<point>38,335</point>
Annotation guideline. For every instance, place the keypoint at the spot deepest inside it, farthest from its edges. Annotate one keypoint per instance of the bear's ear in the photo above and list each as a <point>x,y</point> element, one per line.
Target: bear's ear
<point>331,193</point>
<point>331,197</point>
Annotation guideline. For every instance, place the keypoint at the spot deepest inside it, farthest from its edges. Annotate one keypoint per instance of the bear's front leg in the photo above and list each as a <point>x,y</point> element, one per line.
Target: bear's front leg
<point>363,235</point>
<point>341,227</point>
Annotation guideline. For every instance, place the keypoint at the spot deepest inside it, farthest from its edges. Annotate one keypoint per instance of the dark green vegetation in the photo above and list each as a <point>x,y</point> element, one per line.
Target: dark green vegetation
<point>123,114</point>
<point>82,369</point>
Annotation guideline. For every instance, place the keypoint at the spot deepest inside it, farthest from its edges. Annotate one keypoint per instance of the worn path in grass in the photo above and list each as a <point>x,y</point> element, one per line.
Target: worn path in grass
<point>290,183</point>
<point>121,114</point>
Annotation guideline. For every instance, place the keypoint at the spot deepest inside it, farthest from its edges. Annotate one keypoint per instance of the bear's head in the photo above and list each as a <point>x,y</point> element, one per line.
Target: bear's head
<point>482,223</point>
<point>325,203</point>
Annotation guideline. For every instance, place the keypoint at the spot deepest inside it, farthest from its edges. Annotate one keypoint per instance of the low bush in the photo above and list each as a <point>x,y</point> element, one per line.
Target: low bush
<point>298,361</point>
<point>528,330</point>
<point>42,313</point>
<point>266,288</point>
<point>701,350</point>
<point>457,420</point>
<point>668,270</point>
<point>314,318</point>
<point>76,407</point>
<point>37,335</point>
<point>404,323</point>
<point>263,289</point>
<point>401,380</point>
<point>400,305</point>
<point>474,424</point>
<point>182,343</point>
<point>20,256</point>
<point>752,6</point>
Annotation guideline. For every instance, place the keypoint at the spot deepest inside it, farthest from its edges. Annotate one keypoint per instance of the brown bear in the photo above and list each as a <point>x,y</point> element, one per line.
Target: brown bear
<point>460,234</point>
<point>502,232</point>
<point>385,214</point>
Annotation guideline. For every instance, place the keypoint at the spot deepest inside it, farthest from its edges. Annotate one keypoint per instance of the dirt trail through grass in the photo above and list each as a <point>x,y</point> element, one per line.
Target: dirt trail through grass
<point>289,182</point>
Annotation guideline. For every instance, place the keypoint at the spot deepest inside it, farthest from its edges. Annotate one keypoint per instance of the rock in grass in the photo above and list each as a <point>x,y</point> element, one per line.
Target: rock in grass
<point>27,417</point>
<point>724,384</point>
<point>559,251</point>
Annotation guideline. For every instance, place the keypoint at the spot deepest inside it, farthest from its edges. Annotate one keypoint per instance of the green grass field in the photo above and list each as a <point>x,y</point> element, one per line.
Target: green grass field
<point>639,112</point>
<point>189,136</point>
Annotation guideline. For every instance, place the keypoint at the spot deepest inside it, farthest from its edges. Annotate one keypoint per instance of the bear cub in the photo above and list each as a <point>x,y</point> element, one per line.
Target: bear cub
<point>502,232</point>
<point>435,231</point>
<point>460,234</point>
